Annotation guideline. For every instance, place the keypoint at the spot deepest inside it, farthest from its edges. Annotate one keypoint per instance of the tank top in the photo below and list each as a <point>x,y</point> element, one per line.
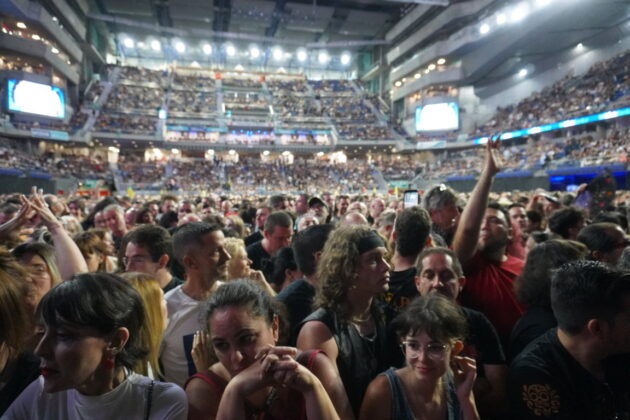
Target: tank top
<point>401,410</point>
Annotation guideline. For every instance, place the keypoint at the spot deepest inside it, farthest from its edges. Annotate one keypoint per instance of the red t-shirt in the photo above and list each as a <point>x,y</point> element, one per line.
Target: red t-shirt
<point>490,289</point>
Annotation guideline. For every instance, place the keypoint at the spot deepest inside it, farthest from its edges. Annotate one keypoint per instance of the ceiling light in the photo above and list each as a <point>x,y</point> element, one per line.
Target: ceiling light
<point>254,52</point>
<point>398,84</point>
<point>36,37</point>
<point>301,55</point>
<point>230,50</point>
<point>277,54</point>
<point>501,18</point>
<point>323,57</point>
<point>141,45</point>
<point>522,73</point>
<point>431,67</point>
<point>441,61</point>
<point>519,12</point>
<point>207,49</point>
<point>239,67</point>
<point>404,79</point>
<point>180,47</point>
<point>21,25</point>
<point>155,45</point>
<point>542,3</point>
<point>484,29</point>
<point>128,42</point>
<point>345,59</point>
<point>417,76</point>
<point>579,46</point>
<point>54,50</point>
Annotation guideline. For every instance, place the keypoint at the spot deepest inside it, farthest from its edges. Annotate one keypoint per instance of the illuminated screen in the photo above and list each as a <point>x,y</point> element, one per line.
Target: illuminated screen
<point>437,117</point>
<point>35,98</point>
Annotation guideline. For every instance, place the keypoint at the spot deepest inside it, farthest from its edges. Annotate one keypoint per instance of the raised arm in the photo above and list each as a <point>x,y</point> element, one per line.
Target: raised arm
<point>69,257</point>
<point>467,233</point>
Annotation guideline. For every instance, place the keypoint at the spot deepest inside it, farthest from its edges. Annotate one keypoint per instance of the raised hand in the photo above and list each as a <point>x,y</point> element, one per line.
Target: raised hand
<point>46,216</point>
<point>201,354</point>
<point>493,161</point>
<point>464,374</point>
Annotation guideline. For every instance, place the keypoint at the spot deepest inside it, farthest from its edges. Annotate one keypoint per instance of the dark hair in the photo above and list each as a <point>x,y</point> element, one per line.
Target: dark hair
<point>585,290</point>
<point>278,218</point>
<point>138,219</point>
<point>101,301</point>
<point>276,200</point>
<point>496,206</point>
<point>412,228</point>
<point>168,219</point>
<point>457,266</point>
<point>190,236</point>
<point>242,293</point>
<point>282,260</point>
<point>99,207</point>
<point>613,217</point>
<point>539,236</point>
<point>155,239</point>
<point>533,284</point>
<point>561,220</point>
<point>534,216</point>
<point>439,197</point>
<point>433,314</point>
<point>599,237</point>
<point>308,242</point>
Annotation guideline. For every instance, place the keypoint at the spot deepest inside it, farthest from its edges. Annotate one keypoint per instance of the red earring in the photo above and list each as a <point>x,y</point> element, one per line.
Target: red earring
<point>108,362</point>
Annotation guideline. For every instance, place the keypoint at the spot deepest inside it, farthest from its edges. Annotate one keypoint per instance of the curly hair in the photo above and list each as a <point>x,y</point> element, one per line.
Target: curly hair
<point>337,267</point>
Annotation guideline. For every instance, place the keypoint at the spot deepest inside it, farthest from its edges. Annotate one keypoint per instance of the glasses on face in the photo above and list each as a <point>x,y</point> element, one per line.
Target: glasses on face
<point>434,351</point>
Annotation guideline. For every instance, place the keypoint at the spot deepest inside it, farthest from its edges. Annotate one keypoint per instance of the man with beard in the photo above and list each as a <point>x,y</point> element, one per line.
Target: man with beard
<point>480,243</point>
<point>200,249</point>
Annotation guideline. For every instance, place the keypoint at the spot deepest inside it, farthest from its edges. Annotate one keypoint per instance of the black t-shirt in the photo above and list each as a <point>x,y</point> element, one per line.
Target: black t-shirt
<point>482,343</point>
<point>175,281</point>
<point>21,372</point>
<point>402,290</point>
<point>534,323</point>
<point>546,382</point>
<point>298,299</point>
<point>253,238</point>
<point>260,259</point>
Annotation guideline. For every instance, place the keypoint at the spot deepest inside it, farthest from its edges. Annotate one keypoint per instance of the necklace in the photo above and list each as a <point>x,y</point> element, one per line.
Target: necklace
<point>365,317</point>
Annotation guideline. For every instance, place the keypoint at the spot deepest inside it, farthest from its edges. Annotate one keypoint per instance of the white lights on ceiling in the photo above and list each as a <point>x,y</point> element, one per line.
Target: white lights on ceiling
<point>398,84</point>
<point>21,25</point>
<point>501,18</point>
<point>484,29</point>
<point>441,61</point>
<point>277,54</point>
<point>417,76</point>
<point>128,42</point>
<point>431,67</point>
<point>345,59</point>
<point>54,50</point>
<point>180,47</point>
<point>301,55</point>
<point>522,73</point>
<point>207,49</point>
<point>254,52</point>
<point>323,57</point>
<point>155,45</point>
<point>36,37</point>
<point>230,50</point>
<point>519,12</point>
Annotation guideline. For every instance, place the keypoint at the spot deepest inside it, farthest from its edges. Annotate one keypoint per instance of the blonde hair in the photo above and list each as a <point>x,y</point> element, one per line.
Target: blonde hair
<point>233,246</point>
<point>151,332</point>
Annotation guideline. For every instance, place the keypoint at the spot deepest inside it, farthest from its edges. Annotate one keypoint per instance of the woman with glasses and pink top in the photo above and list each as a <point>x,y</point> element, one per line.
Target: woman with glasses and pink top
<point>436,383</point>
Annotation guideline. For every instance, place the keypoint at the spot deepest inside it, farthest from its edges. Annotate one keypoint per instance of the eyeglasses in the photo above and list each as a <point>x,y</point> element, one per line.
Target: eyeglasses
<point>434,351</point>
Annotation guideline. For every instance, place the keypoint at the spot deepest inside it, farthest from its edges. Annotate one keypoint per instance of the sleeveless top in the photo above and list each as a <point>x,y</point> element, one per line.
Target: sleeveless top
<point>400,406</point>
<point>359,358</point>
<point>292,401</point>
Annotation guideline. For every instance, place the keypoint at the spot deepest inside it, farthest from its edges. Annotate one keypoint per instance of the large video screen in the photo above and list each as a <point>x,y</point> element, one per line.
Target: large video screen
<point>35,98</point>
<point>437,117</point>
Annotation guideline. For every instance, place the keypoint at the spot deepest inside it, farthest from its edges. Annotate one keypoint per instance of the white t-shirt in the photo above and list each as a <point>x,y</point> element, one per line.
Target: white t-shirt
<point>184,319</point>
<point>127,401</point>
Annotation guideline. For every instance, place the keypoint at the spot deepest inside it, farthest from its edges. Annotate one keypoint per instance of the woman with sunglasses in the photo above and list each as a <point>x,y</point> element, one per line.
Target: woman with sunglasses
<point>435,383</point>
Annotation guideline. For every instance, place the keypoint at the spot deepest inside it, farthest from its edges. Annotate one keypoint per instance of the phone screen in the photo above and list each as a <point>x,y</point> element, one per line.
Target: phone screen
<point>410,198</point>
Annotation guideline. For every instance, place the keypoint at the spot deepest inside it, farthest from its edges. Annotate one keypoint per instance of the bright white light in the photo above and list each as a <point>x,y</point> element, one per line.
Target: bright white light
<point>180,47</point>
<point>230,50</point>
<point>301,55</point>
<point>320,154</point>
<point>254,52</point>
<point>484,29</point>
<point>417,76</point>
<point>542,3</point>
<point>155,45</point>
<point>522,73</point>
<point>282,70</point>
<point>36,37</point>
<point>21,25</point>
<point>404,79</point>
<point>175,151</point>
<point>54,50</point>
<point>501,18</point>
<point>239,67</point>
<point>286,153</point>
<point>128,42</point>
<point>579,46</point>
<point>195,64</point>
<point>520,12</point>
<point>266,153</point>
<point>345,59</point>
<point>323,57</point>
<point>207,49</point>
<point>141,45</point>
<point>431,67</point>
<point>441,61</point>
<point>277,54</point>
<point>231,152</point>
<point>398,84</point>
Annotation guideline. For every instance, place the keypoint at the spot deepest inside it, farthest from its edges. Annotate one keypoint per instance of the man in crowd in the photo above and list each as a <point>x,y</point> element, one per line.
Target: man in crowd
<point>439,271</point>
<point>605,241</point>
<point>299,295</point>
<point>480,243</point>
<point>114,218</point>
<point>277,233</point>
<point>579,370</point>
<point>149,249</point>
<point>441,203</point>
<point>377,206</point>
<point>319,208</point>
<point>199,247</point>
<point>566,222</point>
<point>259,224</point>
